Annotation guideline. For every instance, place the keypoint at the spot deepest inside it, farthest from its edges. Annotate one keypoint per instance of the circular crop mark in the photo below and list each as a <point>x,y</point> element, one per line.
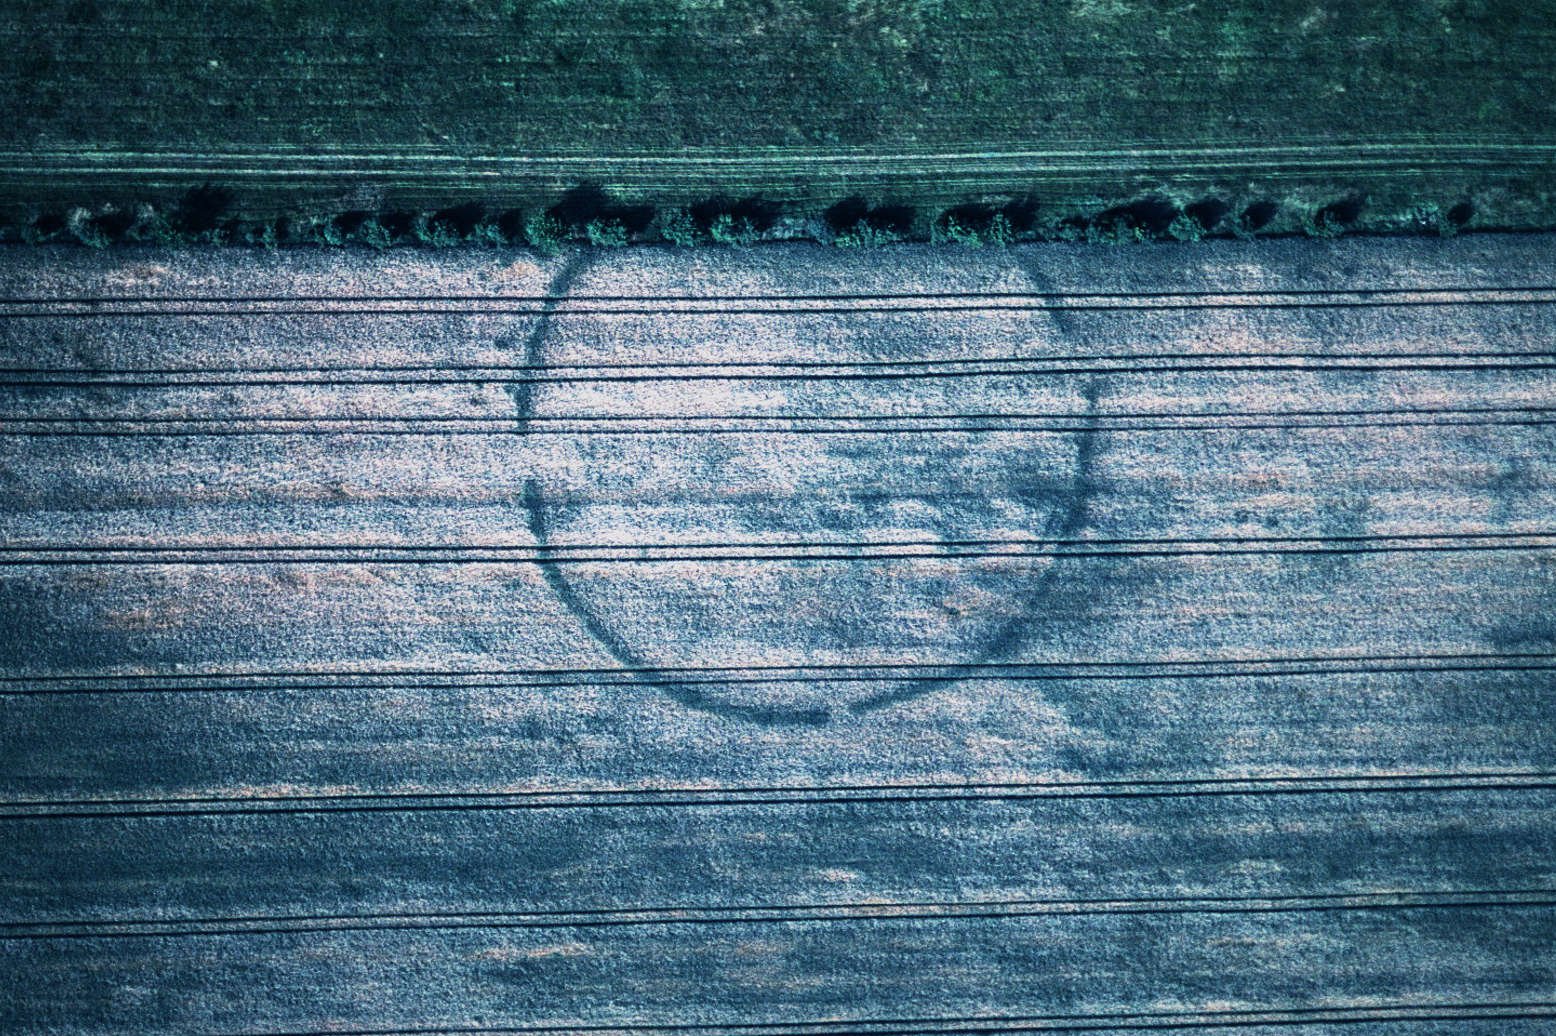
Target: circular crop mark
<point>809,568</point>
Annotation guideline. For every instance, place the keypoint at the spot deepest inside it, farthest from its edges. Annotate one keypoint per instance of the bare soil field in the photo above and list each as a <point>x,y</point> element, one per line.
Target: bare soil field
<point>1057,638</point>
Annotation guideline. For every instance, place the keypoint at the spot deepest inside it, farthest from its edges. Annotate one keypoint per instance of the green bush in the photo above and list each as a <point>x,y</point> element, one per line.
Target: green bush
<point>151,226</point>
<point>320,230</point>
<point>1320,224</point>
<point>260,235</point>
<point>1430,218</point>
<point>1117,233</point>
<point>605,233</point>
<point>544,233</point>
<point>1060,230</point>
<point>85,229</point>
<point>1000,232</point>
<point>950,231</point>
<point>677,227</point>
<point>489,232</point>
<point>728,230</point>
<point>372,232</point>
<point>1185,228</point>
<point>433,232</point>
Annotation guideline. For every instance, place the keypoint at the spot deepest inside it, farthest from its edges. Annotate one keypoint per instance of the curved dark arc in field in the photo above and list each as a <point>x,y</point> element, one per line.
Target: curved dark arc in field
<point>1014,632</point>
<point>597,627</point>
<point>1009,636</point>
<point>523,396</point>
<point>1071,520</point>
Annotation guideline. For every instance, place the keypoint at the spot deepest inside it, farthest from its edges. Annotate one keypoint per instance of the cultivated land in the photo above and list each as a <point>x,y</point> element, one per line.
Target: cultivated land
<point>1421,116</point>
<point>1052,639</point>
<point>783,640</point>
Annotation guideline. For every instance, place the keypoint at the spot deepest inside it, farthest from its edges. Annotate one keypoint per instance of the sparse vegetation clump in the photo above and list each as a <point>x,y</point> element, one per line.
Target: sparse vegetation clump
<point>605,233</point>
<point>865,234</point>
<point>489,231</point>
<point>151,227</point>
<point>676,227</point>
<point>1185,228</point>
<point>728,230</point>
<point>374,234</point>
<point>432,232</point>
<point>589,213</point>
<point>1000,232</point>
<point>951,231</point>
<point>1116,232</point>
<point>1209,213</point>
<point>260,235</point>
<point>1255,217</point>
<point>1431,218</point>
<point>1335,218</point>
<point>855,223</point>
<point>326,232</point>
<point>85,229</point>
<point>544,233</point>
<point>977,225</point>
<point>733,222</point>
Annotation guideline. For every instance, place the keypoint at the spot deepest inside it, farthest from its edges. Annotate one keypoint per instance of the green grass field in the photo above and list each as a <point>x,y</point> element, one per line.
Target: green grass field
<point>1343,116</point>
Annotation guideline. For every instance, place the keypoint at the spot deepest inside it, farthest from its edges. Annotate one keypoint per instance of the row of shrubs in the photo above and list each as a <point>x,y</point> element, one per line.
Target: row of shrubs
<point>589,214</point>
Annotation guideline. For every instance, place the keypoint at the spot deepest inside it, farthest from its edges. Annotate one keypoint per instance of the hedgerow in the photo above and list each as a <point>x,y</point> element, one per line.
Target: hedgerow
<point>588,214</point>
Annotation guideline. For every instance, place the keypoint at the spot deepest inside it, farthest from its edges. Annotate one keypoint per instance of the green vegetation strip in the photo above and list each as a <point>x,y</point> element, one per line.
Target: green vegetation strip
<point>688,121</point>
